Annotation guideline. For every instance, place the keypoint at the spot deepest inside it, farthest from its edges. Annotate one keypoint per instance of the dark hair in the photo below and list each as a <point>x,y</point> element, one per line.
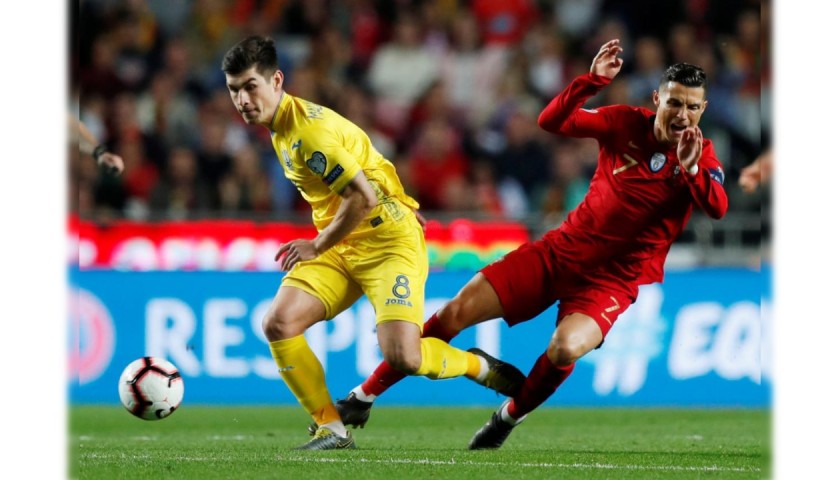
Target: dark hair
<point>685,74</point>
<point>254,50</point>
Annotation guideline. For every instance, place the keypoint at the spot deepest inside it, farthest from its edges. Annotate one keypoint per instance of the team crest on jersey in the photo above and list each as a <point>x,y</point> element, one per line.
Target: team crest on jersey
<point>657,161</point>
<point>318,163</point>
<point>287,159</point>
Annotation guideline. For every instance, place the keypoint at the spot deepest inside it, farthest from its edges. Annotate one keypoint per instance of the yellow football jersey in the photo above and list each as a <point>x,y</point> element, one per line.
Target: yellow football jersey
<point>321,152</point>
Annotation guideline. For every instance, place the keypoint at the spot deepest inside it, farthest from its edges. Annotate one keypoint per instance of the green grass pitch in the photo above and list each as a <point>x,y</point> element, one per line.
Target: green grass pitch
<point>256,442</point>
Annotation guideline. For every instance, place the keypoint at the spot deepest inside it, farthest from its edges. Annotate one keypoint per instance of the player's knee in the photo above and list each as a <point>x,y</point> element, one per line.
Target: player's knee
<point>403,361</point>
<point>567,349</point>
<point>276,327</point>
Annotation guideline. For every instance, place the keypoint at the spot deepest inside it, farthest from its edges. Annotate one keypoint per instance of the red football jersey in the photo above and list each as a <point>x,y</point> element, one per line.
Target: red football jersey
<point>640,198</point>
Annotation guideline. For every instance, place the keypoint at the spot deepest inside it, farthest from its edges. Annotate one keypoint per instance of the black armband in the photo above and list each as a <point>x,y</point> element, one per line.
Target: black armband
<point>99,151</point>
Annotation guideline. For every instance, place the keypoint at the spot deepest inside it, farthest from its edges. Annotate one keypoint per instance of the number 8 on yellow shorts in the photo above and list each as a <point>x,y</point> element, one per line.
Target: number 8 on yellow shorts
<point>390,267</point>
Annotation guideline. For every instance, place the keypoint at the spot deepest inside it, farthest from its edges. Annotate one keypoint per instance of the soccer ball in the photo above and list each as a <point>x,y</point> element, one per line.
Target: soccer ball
<point>151,388</point>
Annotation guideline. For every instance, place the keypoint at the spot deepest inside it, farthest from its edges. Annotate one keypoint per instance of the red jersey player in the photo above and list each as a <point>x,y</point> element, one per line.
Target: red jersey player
<point>653,170</point>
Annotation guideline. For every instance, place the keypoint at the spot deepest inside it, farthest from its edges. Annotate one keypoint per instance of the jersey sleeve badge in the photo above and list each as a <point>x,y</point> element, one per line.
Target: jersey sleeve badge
<point>318,163</point>
<point>717,174</point>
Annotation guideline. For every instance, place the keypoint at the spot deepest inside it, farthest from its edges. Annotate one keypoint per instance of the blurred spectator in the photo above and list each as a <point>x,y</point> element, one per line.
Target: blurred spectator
<point>524,158</point>
<point>139,177</point>
<point>646,17</point>
<point>303,81</point>
<point>577,18</point>
<point>180,190</point>
<point>366,33</point>
<point>766,65</point>
<point>330,63</point>
<point>619,93</point>
<point>401,70</point>
<point>245,188</point>
<point>504,22</point>
<point>354,105</point>
<point>744,55</point>
<point>485,192</point>
<point>305,17</point>
<point>435,18</point>
<point>436,161</point>
<point>165,112</point>
<point>146,77</point>
<point>721,92</point>
<point>471,71</point>
<point>208,30</point>
<point>546,56</point>
<point>681,41</point>
<point>100,76</point>
<point>433,105</point>
<point>123,125</point>
<point>648,65</point>
<point>511,96</point>
<point>214,162</point>
<point>171,16</point>
<point>134,38</point>
<point>178,64</point>
<point>268,14</point>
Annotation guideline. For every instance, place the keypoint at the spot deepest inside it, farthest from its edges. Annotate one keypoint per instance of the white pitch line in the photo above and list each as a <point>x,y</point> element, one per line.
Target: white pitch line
<point>427,461</point>
<point>597,466</point>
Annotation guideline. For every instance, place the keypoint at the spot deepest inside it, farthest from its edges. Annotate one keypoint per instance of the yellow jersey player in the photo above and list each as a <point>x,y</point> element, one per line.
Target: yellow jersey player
<point>369,242</point>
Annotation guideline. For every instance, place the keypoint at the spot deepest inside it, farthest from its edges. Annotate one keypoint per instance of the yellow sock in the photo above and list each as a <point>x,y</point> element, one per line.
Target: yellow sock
<point>441,360</point>
<point>304,376</point>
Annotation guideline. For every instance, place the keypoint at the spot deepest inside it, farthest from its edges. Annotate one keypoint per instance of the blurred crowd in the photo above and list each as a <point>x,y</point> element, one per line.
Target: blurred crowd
<point>448,90</point>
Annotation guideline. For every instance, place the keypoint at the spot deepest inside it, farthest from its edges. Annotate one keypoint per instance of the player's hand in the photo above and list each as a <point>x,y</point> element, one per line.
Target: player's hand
<point>606,63</point>
<point>750,177</point>
<point>113,162</point>
<point>756,173</point>
<point>689,147</point>
<point>295,251</point>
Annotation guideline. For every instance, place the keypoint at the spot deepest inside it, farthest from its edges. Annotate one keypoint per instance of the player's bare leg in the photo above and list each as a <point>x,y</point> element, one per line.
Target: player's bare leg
<point>575,336</point>
<point>476,302</point>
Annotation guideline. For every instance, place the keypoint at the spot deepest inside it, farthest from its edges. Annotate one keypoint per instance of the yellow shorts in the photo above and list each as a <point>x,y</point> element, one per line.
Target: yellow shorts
<point>389,267</point>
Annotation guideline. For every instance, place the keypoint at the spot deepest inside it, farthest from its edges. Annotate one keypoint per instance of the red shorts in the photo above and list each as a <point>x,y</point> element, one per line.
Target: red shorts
<point>529,279</point>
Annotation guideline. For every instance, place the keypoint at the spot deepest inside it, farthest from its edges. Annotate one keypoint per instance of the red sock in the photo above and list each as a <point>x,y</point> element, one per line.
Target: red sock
<point>541,383</point>
<point>385,376</point>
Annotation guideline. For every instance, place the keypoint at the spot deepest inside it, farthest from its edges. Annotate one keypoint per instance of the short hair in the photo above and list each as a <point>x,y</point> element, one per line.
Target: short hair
<point>685,74</point>
<point>254,50</point>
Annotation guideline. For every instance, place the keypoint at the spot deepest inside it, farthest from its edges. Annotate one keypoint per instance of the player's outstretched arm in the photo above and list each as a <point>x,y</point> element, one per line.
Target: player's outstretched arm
<point>89,146</point>
<point>606,62</point>
<point>562,115</point>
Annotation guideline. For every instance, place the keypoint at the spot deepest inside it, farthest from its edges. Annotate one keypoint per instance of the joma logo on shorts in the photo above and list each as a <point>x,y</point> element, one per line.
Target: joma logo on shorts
<point>398,301</point>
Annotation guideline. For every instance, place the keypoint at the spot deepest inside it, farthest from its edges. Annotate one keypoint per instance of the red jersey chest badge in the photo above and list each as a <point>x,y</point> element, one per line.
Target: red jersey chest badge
<point>657,161</point>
